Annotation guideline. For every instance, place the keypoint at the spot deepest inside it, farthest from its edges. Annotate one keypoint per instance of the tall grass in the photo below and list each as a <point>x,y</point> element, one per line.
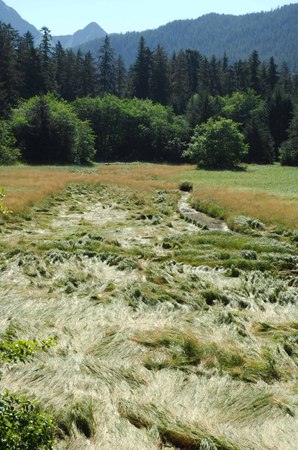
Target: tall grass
<point>24,186</point>
<point>268,193</point>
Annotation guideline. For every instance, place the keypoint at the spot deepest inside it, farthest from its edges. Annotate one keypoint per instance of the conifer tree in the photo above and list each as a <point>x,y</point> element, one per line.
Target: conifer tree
<point>179,82</point>
<point>106,67</point>
<point>87,77</point>
<point>121,77</point>
<point>60,63</point>
<point>253,67</point>
<point>141,71</point>
<point>160,77</point>
<point>9,76</point>
<point>47,62</point>
<point>28,67</point>
<point>280,114</point>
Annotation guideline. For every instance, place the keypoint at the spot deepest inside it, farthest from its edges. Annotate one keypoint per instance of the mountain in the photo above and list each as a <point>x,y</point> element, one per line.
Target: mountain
<point>9,15</point>
<point>272,33</point>
<point>89,33</point>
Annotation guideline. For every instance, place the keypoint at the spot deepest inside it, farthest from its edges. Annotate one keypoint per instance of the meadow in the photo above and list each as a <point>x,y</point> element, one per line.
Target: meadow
<point>169,335</point>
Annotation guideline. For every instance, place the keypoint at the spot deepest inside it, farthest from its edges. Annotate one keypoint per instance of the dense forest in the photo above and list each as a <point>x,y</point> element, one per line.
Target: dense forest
<point>272,32</point>
<point>58,105</point>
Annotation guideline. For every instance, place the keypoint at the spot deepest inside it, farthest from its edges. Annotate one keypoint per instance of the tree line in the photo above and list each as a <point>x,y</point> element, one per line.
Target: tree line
<point>181,92</point>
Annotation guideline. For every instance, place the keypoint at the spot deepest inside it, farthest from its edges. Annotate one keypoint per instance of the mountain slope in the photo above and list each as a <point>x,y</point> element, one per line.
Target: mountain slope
<point>273,33</point>
<point>89,33</point>
<point>92,31</point>
<point>9,15</point>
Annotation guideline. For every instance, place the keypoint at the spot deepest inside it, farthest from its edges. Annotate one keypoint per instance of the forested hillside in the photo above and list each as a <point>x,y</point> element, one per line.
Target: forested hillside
<point>271,33</point>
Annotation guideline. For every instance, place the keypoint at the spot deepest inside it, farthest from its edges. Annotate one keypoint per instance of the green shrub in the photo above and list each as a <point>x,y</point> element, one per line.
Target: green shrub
<point>186,186</point>
<point>289,153</point>
<point>21,350</point>
<point>8,153</point>
<point>23,425</point>
<point>217,144</point>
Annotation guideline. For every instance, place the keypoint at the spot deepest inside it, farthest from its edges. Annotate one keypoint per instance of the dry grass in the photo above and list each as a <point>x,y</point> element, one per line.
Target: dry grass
<point>25,186</point>
<point>248,195</point>
<point>270,209</point>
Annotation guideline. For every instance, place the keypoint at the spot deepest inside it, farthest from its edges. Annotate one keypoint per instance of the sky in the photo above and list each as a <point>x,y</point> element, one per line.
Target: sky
<point>116,16</point>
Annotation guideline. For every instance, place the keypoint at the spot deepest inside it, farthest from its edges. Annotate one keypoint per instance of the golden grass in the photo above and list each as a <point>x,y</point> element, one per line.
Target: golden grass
<point>27,185</point>
<point>24,186</point>
<point>269,208</point>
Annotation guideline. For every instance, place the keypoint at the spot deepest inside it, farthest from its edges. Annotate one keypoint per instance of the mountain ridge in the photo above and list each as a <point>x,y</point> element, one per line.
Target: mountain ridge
<point>10,16</point>
<point>271,33</point>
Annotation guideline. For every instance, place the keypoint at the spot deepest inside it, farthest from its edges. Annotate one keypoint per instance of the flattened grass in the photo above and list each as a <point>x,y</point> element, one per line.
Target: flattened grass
<point>152,351</point>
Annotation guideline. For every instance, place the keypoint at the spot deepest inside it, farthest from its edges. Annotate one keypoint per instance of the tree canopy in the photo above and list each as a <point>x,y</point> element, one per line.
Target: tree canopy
<point>48,130</point>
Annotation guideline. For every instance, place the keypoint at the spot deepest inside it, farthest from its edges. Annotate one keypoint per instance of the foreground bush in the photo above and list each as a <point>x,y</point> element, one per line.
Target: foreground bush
<point>49,131</point>
<point>23,424</point>
<point>217,144</point>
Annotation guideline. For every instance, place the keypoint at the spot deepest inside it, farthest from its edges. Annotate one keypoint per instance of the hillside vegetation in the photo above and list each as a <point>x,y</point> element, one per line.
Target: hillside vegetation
<point>271,33</point>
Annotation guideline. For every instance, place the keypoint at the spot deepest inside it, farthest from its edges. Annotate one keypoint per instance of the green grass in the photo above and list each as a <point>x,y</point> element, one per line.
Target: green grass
<point>266,193</point>
<point>272,179</point>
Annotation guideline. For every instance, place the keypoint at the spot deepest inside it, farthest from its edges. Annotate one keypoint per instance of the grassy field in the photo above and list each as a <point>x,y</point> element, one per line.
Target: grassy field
<point>269,193</point>
<point>169,335</point>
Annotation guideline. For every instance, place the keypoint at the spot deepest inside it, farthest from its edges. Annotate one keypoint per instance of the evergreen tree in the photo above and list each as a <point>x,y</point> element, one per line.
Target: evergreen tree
<point>214,73</point>
<point>180,86</point>
<point>160,77</point>
<point>285,81</point>
<point>254,75</point>
<point>106,67</point>
<point>121,77</point>
<point>87,77</point>
<point>272,74</point>
<point>141,71</point>
<point>280,114</point>
<point>193,58</point>
<point>226,76</point>
<point>71,74</point>
<point>60,63</point>
<point>204,77</point>
<point>9,76</point>
<point>47,62</point>
<point>29,67</point>
<point>240,71</point>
